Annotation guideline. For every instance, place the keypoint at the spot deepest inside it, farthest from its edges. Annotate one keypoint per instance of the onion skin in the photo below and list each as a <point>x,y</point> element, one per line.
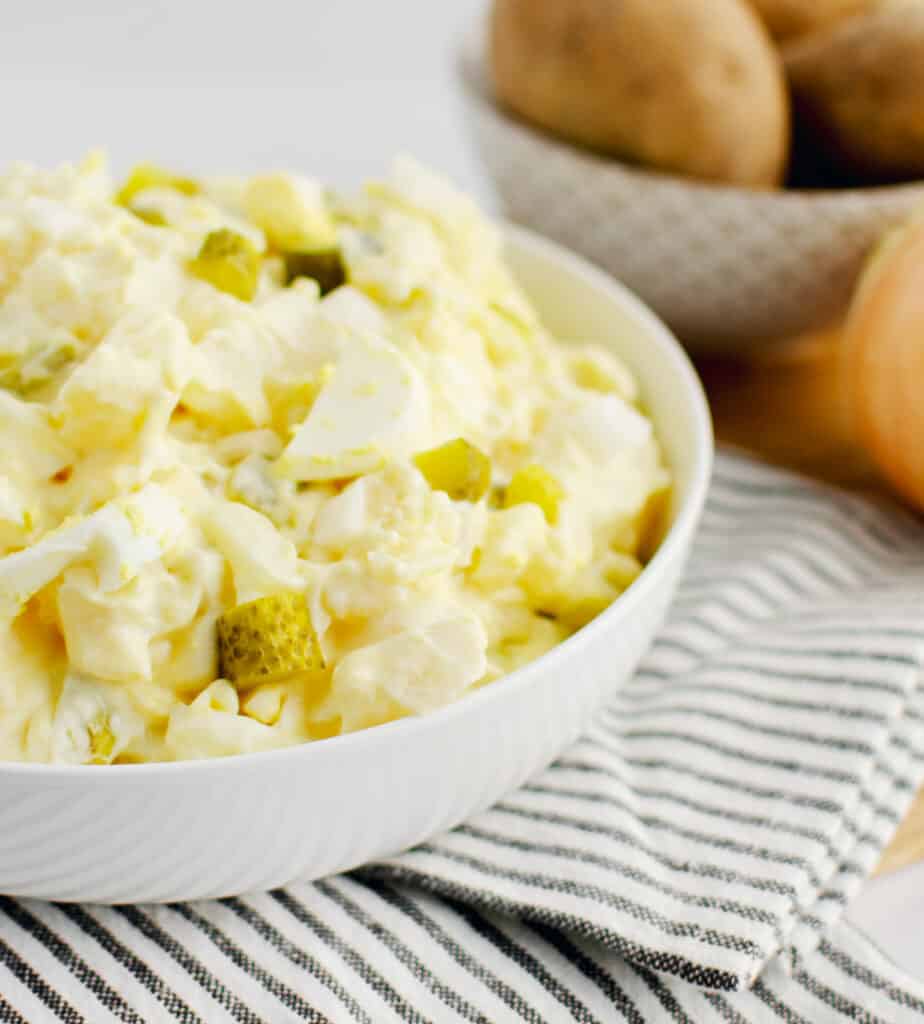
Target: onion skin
<point>884,362</point>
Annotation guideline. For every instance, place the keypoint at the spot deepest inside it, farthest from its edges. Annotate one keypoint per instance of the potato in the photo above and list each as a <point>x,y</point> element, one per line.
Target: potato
<point>684,86</point>
<point>859,93</point>
<point>787,19</point>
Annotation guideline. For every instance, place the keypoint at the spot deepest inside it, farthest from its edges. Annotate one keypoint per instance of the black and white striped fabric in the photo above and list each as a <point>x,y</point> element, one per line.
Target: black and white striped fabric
<point>689,860</point>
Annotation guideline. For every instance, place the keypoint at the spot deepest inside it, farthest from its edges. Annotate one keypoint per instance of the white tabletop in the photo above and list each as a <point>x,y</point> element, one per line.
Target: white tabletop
<point>335,87</point>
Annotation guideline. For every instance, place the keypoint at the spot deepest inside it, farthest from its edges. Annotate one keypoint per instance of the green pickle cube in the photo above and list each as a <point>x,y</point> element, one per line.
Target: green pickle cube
<point>146,176</point>
<point>269,640</point>
<point>458,468</point>
<point>322,265</point>
<point>537,485</point>
<point>230,262</point>
<point>102,740</point>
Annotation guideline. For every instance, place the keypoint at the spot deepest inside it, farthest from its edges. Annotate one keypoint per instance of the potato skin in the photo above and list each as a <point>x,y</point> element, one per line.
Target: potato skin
<point>788,19</point>
<point>858,90</point>
<point>684,86</point>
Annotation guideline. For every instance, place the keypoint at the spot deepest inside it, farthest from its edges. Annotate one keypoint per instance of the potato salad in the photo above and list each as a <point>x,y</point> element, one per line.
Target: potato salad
<point>278,464</point>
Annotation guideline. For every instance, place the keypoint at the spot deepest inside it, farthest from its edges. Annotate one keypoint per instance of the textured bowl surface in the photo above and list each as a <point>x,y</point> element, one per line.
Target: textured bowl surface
<point>726,268</point>
<point>215,828</point>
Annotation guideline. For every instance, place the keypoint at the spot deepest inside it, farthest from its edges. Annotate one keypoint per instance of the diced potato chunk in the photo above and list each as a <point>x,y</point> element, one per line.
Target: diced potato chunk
<point>535,484</point>
<point>291,212</point>
<point>590,592</point>
<point>325,728</point>
<point>264,704</point>
<point>458,468</point>
<point>230,262</point>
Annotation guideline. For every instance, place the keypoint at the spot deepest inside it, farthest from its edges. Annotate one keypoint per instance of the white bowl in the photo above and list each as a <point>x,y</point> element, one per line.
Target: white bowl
<point>199,829</point>
<point>728,269</point>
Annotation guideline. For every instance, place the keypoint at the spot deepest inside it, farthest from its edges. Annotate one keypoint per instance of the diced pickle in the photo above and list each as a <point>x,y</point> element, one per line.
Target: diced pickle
<point>458,468</point>
<point>150,176</point>
<point>153,217</point>
<point>102,741</point>
<point>230,262</point>
<point>537,485</point>
<point>323,265</point>
<point>268,641</point>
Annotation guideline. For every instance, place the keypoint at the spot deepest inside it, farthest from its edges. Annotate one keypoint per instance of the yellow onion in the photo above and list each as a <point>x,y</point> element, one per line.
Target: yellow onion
<point>883,352</point>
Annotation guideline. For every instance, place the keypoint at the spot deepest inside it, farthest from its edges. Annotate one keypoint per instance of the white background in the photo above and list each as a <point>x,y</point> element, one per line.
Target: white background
<point>333,87</point>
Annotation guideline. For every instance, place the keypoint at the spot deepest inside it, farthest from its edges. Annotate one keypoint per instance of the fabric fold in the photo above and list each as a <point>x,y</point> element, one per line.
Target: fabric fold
<point>729,799</point>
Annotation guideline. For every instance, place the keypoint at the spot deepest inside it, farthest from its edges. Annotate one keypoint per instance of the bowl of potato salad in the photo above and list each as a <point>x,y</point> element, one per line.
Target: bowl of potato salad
<point>325,519</point>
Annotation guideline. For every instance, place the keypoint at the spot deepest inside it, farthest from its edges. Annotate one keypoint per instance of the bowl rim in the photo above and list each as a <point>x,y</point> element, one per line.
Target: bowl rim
<point>471,71</point>
<point>684,523</point>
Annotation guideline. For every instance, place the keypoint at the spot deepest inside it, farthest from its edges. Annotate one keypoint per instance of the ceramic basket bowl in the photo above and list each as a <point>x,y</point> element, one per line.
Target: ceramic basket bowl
<point>725,268</point>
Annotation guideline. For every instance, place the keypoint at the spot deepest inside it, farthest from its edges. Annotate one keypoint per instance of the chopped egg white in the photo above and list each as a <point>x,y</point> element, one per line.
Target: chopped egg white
<point>374,406</point>
<point>218,530</point>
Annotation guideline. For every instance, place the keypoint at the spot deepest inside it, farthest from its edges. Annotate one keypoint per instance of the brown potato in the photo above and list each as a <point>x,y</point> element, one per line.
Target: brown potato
<point>787,19</point>
<point>684,86</point>
<point>858,90</point>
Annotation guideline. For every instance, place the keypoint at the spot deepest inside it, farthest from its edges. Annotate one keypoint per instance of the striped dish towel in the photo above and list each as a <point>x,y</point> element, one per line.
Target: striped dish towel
<point>689,860</point>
